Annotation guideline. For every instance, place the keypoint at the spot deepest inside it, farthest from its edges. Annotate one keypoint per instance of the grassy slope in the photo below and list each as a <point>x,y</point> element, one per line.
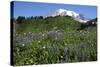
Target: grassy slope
<point>79,45</point>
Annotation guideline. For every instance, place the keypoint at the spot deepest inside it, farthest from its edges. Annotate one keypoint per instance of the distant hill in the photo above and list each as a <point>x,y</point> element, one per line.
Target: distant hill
<point>39,23</point>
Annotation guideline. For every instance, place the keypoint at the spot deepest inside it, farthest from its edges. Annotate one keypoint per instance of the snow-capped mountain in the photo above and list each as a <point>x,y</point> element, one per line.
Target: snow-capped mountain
<point>64,12</point>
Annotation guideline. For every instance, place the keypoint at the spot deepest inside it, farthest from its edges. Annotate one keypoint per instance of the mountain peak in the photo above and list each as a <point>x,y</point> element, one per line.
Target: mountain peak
<point>64,12</point>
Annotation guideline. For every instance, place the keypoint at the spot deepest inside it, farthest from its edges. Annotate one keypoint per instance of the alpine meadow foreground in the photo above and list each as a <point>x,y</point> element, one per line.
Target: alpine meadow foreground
<point>59,39</point>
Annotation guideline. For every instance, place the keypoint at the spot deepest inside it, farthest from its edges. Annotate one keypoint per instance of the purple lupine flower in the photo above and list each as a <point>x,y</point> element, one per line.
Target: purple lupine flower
<point>65,51</point>
<point>66,57</point>
<point>56,35</point>
<point>83,45</point>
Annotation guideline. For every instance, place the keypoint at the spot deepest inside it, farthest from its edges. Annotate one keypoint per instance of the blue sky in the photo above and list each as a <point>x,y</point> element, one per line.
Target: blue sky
<point>39,9</point>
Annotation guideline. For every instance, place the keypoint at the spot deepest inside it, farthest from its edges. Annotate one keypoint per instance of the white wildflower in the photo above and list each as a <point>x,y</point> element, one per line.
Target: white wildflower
<point>44,47</point>
<point>39,41</point>
<point>56,31</point>
<point>42,34</point>
<point>29,32</point>
<point>23,44</point>
<point>24,33</point>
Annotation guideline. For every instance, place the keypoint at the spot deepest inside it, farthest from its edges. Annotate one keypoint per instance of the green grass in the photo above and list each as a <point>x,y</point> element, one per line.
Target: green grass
<point>76,46</point>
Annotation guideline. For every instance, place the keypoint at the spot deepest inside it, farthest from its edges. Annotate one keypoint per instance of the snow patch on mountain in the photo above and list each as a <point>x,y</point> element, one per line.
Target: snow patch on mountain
<point>64,12</point>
